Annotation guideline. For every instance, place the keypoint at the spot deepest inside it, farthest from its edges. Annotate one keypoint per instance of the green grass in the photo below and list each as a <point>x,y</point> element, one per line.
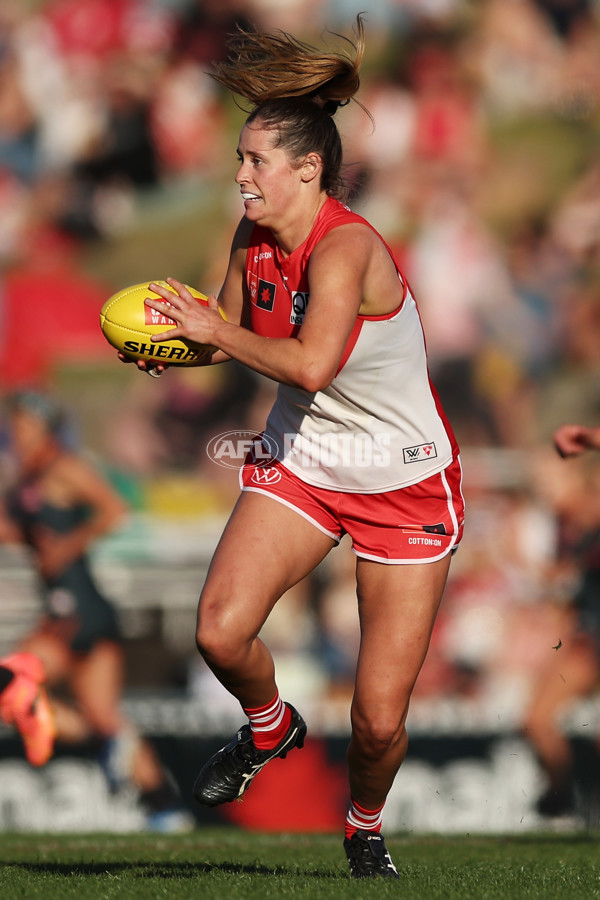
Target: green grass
<point>230,864</point>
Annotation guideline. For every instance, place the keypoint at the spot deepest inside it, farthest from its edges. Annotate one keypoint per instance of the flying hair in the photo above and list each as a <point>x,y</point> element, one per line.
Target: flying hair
<point>272,66</point>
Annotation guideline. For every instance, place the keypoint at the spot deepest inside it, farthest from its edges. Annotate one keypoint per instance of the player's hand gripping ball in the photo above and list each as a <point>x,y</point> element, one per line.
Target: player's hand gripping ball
<point>128,324</point>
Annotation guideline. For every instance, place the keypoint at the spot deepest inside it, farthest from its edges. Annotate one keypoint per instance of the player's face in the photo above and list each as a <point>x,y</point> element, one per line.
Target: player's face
<point>267,178</point>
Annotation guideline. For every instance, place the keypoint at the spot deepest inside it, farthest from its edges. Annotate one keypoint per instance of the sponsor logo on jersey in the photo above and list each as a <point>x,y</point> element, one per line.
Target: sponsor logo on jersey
<point>265,295</point>
<point>426,541</point>
<point>266,476</point>
<point>299,303</point>
<point>419,453</point>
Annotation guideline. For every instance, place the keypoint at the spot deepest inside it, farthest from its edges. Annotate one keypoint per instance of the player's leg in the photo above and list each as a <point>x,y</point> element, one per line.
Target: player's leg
<point>51,644</point>
<point>570,675</point>
<point>52,649</point>
<point>265,549</point>
<point>397,608</point>
<point>96,683</point>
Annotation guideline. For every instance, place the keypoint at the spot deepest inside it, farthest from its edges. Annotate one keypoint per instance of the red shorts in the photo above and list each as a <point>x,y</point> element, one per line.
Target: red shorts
<point>416,524</point>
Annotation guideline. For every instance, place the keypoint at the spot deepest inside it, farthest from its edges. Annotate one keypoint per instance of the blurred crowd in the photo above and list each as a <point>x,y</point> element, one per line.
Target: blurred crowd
<point>481,170</point>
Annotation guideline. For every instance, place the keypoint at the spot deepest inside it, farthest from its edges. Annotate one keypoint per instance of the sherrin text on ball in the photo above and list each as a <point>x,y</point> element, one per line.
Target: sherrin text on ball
<point>128,325</point>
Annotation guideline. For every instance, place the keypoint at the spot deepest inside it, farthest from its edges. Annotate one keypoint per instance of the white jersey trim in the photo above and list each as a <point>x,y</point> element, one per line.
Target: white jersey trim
<point>403,562</point>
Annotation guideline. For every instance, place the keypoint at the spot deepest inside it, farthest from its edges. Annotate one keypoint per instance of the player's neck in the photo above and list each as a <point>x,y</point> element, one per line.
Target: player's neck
<point>298,227</point>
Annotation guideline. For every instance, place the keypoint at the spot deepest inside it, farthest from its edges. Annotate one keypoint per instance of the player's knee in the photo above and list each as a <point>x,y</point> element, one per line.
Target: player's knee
<point>217,642</point>
<point>210,644</point>
<point>375,734</point>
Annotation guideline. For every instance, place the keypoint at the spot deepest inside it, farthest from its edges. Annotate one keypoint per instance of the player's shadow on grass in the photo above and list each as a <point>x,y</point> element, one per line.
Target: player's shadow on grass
<point>168,869</point>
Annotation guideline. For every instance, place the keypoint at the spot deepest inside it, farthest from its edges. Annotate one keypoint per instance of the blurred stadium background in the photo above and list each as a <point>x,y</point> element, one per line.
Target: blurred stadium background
<point>117,155</point>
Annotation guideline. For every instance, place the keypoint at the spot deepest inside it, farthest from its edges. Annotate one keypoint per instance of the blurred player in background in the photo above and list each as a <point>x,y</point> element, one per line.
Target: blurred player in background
<point>58,506</point>
<point>573,669</point>
<point>316,302</point>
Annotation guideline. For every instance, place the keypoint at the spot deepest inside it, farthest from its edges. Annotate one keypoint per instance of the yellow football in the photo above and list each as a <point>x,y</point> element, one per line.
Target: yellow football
<point>128,324</point>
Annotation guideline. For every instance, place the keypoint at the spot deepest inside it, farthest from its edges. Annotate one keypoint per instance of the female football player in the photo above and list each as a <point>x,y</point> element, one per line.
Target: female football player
<point>58,506</point>
<point>316,301</point>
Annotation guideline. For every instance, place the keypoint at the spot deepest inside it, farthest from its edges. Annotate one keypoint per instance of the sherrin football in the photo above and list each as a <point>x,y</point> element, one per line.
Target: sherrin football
<point>127,324</point>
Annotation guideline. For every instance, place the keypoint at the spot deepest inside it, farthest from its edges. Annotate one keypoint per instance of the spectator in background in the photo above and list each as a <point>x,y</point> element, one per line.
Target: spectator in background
<point>518,56</point>
<point>186,120</point>
<point>458,270</point>
<point>566,15</point>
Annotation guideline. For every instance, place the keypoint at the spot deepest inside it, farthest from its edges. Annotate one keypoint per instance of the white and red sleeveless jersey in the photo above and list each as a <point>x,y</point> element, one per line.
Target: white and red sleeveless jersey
<point>378,426</point>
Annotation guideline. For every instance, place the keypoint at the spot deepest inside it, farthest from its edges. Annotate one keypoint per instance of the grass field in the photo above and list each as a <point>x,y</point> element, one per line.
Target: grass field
<point>231,864</point>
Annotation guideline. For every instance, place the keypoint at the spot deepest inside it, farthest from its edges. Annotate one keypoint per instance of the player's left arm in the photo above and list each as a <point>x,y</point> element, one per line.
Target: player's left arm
<point>336,278</point>
<point>310,360</point>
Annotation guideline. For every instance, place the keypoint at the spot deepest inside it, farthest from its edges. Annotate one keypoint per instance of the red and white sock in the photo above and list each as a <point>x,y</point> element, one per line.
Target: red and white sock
<point>269,723</point>
<point>360,819</point>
